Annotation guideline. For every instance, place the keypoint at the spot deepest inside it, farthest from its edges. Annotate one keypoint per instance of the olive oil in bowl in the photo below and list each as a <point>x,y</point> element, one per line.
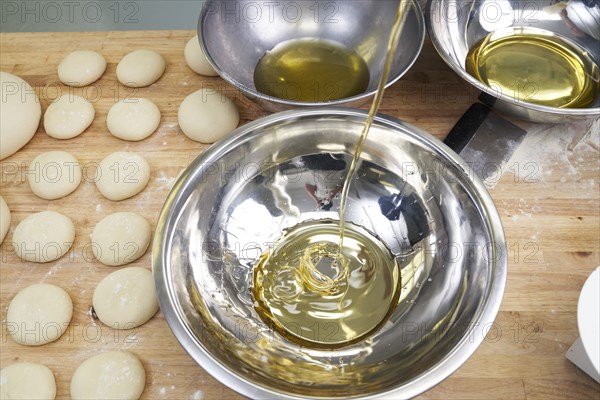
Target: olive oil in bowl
<point>319,299</point>
<point>534,66</point>
<point>311,70</point>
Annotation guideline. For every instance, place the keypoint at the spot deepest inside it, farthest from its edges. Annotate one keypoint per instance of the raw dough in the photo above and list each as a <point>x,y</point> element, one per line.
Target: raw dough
<point>207,115</point>
<point>39,314</point>
<point>120,238</point>
<point>43,237</point>
<point>27,381</point>
<point>54,174</point>
<point>20,113</point>
<point>133,119</point>
<point>196,59</point>
<point>80,68</point>
<point>126,298</point>
<point>4,219</point>
<point>122,175</point>
<point>116,375</point>
<point>140,68</point>
<point>68,117</point>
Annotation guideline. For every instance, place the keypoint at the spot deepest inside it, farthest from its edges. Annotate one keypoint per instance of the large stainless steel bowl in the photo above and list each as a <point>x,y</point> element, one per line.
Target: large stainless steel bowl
<point>235,35</point>
<point>237,197</point>
<point>456,25</point>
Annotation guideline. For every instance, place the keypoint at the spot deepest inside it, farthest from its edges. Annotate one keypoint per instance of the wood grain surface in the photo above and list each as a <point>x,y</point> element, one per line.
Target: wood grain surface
<point>547,195</point>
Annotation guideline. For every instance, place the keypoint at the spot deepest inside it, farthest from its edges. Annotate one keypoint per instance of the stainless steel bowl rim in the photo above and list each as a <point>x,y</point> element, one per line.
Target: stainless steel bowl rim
<point>484,88</point>
<point>256,94</point>
<point>473,336</point>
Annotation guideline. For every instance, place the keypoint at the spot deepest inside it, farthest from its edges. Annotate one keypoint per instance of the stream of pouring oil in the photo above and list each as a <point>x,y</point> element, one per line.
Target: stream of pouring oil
<point>391,51</point>
<point>326,284</point>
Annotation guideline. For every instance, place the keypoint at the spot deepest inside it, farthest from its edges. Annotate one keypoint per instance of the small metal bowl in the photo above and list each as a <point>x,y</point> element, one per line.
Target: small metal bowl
<point>240,194</point>
<point>235,35</point>
<point>455,26</point>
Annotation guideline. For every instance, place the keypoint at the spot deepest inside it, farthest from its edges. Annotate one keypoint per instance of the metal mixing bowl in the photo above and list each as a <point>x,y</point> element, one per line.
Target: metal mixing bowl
<point>411,191</point>
<point>456,25</point>
<point>235,35</point>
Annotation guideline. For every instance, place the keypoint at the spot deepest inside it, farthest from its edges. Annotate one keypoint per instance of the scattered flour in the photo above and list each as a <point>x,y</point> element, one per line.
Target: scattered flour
<point>197,395</point>
<point>550,145</point>
<point>131,340</point>
<point>165,180</point>
<point>57,267</point>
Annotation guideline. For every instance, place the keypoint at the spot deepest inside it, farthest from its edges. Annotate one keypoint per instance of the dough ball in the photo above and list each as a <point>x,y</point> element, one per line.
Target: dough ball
<point>196,59</point>
<point>117,375</point>
<point>122,175</point>
<point>126,298</point>
<point>68,117</point>
<point>54,174</point>
<point>4,219</point>
<point>39,314</point>
<point>133,119</point>
<point>120,238</point>
<point>207,115</point>
<point>27,381</point>
<point>44,237</point>
<point>20,113</point>
<point>140,68</point>
<point>80,68</point>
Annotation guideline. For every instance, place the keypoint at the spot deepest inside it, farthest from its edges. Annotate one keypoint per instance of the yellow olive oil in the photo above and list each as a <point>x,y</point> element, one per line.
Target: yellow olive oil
<point>532,66</point>
<point>320,297</point>
<point>311,70</point>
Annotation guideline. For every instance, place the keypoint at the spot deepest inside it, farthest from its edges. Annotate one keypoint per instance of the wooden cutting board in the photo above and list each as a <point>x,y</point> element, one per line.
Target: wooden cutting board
<point>548,197</point>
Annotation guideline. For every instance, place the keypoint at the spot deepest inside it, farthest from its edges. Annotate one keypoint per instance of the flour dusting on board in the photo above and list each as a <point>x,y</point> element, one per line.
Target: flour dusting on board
<point>198,395</point>
<point>548,146</point>
<point>165,180</point>
<point>57,267</point>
